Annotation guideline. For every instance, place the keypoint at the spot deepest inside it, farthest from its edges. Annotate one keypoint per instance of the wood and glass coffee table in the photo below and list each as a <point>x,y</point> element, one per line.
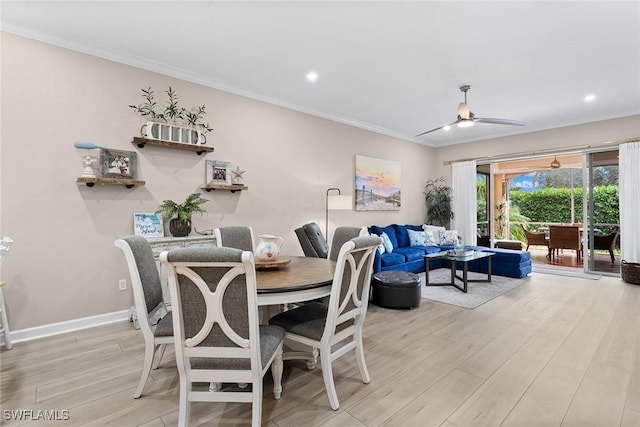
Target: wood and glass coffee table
<point>454,260</point>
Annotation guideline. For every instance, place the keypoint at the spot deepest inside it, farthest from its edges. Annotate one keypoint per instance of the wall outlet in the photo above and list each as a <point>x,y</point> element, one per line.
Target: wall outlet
<point>122,284</point>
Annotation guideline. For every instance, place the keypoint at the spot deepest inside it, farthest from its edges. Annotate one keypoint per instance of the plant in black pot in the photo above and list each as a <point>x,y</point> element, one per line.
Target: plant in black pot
<point>179,215</point>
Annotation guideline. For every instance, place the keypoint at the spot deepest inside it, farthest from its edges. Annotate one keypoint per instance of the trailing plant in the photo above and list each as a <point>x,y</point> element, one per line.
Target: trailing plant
<point>437,197</point>
<point>170,209</point>
<point>172,111</point>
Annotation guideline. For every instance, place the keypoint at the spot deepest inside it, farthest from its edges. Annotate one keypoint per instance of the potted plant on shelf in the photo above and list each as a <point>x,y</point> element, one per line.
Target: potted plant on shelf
<point>437,197</point>
<point>179,215</point>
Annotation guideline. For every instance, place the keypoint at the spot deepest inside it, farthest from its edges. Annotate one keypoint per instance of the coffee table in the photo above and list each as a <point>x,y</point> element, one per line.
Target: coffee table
<point>454,260</point>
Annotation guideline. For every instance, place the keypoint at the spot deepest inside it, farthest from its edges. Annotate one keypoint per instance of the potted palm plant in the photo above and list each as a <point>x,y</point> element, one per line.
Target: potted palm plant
<point>437,197</point>
<point>179,215</point>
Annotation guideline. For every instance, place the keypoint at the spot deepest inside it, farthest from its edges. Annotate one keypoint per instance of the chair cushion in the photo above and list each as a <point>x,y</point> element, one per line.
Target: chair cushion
<point>307,320</point>
<point>270,339</point>
<point>164,328</point>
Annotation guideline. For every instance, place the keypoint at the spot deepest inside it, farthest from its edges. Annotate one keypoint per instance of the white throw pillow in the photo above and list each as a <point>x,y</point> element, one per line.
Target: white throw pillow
<point>435,230</point>
<point>388,246</point>
<point>429,239</point>
<point>448,237</point>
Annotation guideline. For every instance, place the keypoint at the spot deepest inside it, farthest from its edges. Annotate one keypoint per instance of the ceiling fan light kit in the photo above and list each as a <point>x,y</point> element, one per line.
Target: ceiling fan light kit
<point>466,118</point>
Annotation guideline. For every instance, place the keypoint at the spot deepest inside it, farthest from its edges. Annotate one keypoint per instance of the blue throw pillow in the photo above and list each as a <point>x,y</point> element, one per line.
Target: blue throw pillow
<point>416,238</point>
<point>388,246</point>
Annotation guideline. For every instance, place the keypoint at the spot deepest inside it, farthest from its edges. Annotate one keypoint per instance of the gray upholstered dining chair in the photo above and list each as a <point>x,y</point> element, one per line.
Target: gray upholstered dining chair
<point>342,235</point>
<point>312,241</point>
<point>147,297</point>
<point>336,328</point>
<point>239,237</point>
<point>217,337</point>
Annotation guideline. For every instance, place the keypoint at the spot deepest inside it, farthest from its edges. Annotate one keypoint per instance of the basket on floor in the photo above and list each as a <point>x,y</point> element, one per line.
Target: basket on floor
<point>630,272</point>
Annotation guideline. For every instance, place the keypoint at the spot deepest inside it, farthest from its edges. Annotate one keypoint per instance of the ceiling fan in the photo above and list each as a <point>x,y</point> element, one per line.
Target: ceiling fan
<point>466,118</point>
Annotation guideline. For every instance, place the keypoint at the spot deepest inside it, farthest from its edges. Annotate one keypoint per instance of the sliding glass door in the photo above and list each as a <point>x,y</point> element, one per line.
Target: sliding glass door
<point>601,240</point>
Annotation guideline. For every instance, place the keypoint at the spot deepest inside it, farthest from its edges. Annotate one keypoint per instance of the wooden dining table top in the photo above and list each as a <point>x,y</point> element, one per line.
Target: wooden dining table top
<point>300,274</point>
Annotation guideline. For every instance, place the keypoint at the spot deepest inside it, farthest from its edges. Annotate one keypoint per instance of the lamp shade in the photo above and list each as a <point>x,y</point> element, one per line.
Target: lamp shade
<point>339,202</point>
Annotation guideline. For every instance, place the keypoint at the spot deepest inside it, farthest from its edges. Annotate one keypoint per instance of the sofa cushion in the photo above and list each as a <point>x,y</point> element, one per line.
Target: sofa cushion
<point>389,230</point>
<point>402,233</point>
<point>390,258</point>
<point>411,253</point>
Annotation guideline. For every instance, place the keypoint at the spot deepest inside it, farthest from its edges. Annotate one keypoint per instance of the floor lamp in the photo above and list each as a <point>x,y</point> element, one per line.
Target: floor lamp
<point>335,202</point>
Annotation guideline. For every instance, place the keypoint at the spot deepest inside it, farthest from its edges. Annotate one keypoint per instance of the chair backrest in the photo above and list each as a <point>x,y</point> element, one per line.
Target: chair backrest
<point>239,237</point>
<point>312,240</point>
<point>607,241</point>
<point>215,315</point>
<point>350,290</point>
<point>145,279</point>
<point>342,235</point>
<point>564,237</point>
<point>534,238</point>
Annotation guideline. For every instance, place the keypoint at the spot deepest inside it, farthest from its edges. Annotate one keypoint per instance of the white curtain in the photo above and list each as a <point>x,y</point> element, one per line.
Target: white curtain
<point>465,205</point>
<point>629,178</point>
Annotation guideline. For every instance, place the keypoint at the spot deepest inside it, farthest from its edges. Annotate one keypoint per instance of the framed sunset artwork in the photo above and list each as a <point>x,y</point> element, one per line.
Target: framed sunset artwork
<point>377,184</point>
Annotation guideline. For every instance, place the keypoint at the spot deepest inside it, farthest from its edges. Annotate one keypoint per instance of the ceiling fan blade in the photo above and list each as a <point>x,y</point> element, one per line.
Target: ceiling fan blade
<point>499,121</point>
<point>438,128</point>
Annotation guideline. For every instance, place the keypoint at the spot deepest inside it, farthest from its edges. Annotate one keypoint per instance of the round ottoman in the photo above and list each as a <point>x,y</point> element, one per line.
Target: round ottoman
<point>396,289</point>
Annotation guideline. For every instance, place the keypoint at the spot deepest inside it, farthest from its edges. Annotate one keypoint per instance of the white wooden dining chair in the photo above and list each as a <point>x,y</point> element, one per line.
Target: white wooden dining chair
<point>147,297</point>
<point>217,336</point>
<point>336,328</point>
<point>239,237</point>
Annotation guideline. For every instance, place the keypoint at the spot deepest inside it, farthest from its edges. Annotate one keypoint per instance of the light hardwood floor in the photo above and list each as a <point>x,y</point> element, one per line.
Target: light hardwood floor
<point>555,351</point>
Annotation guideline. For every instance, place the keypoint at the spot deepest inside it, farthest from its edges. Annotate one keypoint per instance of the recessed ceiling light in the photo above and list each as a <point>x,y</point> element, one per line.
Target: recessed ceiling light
<point>312,76</point>
<point>589,98</point>
<point>447,127</point>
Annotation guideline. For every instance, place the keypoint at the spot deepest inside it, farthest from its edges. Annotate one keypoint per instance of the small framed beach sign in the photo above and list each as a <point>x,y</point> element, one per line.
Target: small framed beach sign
<point>148,225</point>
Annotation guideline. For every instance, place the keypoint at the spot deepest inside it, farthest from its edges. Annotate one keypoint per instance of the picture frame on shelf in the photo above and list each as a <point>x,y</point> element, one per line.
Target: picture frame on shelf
<point>217,172</point>
<point>148,225</point>
<point>118,163</point>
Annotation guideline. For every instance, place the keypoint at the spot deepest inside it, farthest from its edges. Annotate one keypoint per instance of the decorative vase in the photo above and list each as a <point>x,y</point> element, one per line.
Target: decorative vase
<point>178,228</point>
<point>173,133</point>
<point>268,247</point>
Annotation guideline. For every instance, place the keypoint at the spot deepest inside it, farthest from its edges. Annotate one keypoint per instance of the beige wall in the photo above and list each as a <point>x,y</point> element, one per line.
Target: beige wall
<point>63,264</point>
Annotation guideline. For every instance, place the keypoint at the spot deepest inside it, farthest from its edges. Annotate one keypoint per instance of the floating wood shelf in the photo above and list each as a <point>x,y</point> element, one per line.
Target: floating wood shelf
<point>198,148</point>
<point>232,188</point>
<point>90,182</point>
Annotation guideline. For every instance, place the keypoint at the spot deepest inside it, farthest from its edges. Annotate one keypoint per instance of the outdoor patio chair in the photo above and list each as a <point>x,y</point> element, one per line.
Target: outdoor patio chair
<point>607,242</point>
<point>565,237</point>
<point>535,238</point>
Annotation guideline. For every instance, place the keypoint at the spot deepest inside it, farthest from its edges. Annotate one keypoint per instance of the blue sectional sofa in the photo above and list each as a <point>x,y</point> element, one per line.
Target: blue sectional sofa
<point>404,257</point>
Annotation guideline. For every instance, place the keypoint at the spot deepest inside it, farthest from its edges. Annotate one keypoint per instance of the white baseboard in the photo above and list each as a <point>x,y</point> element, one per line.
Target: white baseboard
<point>68,326</point>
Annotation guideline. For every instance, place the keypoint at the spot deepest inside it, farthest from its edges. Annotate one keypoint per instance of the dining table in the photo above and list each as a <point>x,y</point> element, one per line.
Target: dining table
<point>301,279</point>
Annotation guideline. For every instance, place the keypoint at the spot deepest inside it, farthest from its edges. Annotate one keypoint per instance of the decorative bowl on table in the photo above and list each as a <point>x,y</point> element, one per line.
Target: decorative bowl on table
<point>271,264</point>
<point>463,252</point>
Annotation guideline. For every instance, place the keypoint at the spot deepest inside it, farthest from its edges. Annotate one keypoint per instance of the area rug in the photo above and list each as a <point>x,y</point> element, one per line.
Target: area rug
<point>477,293</point>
